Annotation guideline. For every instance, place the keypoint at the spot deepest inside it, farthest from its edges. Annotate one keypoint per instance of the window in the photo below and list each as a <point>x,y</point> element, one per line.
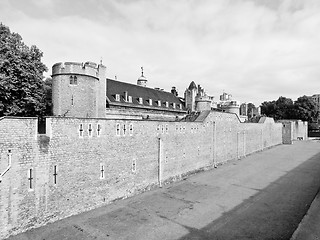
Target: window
<point>90,130</point>
<point>162,128</point>
<point>167,104</point>
<point>118,129</point>
<point>150,102</point>
<point>140,100</point>
<point>130,99</point>
<point>81,130</point>
<point>124,129</point>
<point>130,129</point>
<point>98,129</point>
<point>118,97</point>
<point>159,103</point>
<point>73,80</point>
<point>180,106</point>
<point>174,105</point>
<point>30,179</point>
<point>167,128</point>
<point>134,166</point>
<point>102,171</point>
<point>55,174</point>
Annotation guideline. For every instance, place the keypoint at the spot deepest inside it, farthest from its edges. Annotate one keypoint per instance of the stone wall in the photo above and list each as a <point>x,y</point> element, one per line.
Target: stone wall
<point>83,163</point>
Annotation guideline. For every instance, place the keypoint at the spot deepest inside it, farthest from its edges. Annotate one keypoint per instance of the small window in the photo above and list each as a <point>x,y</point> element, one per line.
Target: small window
<point>130,99</point>
<point>124,129</point>
<point>73,80</point>
<point>159,103</point>
<point>30,179</point>
<point>162,128</point>
<point>134,166</point>
<point>81,130</point>
<point>140,100</point>
<point>90,130</point>
<point>180,106</point>
<point>98,129</point>
<point>167,128</point>
<point>167,104</point>
<point>150,102</point>
<point>55,174</point>
<point>102,171</point>
<point>118,129</point>
<point>158,128</point>
<point>118,97</point>
<point>174,105</point>
<point>130,129</point>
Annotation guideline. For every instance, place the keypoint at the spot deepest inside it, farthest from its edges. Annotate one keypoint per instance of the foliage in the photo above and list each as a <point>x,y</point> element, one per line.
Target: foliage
<point>21,72</point>
<point>304,108</point>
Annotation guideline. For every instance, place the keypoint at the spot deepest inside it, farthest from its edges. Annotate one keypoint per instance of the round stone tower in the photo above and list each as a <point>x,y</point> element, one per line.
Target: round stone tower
<point>79,89</point>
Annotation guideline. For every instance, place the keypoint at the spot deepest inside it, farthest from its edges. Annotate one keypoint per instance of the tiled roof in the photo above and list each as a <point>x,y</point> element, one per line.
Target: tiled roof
<point>116,87</point>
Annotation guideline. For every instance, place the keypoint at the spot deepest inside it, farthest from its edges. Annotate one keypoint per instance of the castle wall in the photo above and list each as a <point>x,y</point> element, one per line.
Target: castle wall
<point>134,156</point>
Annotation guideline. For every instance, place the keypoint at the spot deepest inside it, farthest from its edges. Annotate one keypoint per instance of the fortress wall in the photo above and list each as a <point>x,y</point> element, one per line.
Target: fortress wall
<point>130,160</point>
<point>18,141</point>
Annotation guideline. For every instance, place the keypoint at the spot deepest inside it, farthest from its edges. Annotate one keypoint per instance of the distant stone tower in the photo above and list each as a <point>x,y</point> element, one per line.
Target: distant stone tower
<point>142,81</point>
<point>79,89</point>
<point>190,96</point>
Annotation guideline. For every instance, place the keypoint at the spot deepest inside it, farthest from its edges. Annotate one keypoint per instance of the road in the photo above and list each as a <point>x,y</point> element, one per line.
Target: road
<point>262,196</point>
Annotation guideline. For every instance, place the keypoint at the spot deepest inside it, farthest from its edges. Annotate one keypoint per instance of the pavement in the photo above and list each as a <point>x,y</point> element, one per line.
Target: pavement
<point>263,196</point>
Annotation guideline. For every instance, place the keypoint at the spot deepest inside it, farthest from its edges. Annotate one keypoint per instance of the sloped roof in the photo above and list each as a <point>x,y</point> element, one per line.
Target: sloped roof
<point>135,91</point>
<point>192,85</point>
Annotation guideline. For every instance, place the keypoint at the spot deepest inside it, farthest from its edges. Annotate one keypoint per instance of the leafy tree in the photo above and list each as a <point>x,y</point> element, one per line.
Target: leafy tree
<point>280,109</point>
<point>21,73</point>
<point>48,96</point>
<point>306,109</point>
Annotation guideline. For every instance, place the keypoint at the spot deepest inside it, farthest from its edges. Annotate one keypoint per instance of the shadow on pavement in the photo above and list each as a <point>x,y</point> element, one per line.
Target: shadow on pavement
<point>273,213</point>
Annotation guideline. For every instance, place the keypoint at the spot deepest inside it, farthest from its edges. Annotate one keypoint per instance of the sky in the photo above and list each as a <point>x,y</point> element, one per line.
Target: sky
<point>256,50</point>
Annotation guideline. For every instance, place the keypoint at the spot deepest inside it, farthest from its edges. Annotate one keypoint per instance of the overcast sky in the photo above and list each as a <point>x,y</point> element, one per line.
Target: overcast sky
<point>256,50</point>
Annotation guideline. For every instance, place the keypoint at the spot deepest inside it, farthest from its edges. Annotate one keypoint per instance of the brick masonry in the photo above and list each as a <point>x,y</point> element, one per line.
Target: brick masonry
<point>76,167</point>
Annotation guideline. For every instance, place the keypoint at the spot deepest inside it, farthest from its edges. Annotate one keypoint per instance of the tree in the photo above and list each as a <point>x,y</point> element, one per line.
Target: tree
<point>280,109</point>
<point>21,73</point>
<point>306,109</point>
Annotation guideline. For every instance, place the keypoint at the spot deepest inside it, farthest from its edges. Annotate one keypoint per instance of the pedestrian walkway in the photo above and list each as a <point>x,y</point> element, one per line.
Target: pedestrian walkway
<point>263,196</point>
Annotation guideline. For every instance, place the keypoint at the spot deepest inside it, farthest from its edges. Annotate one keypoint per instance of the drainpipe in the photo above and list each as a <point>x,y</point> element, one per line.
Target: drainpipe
<point>244,143</point>
<point>214,147</point>
<point>9,165</point>
<point>238,143</point>
<point>159,162</point>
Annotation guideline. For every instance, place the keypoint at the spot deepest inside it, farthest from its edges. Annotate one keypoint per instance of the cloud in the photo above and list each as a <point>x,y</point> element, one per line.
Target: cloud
<point>255,49</point>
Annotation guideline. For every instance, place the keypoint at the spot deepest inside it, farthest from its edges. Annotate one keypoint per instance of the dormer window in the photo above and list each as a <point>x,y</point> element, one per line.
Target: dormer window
<point>159,103</point>
<point>174,105</point>
<point>167,104</point>
<point>140,100</point>
<point>180,105</point>
<point>118,97</point>
<point>73,80</point>
<point>150,102</point>
<point>130,99</point>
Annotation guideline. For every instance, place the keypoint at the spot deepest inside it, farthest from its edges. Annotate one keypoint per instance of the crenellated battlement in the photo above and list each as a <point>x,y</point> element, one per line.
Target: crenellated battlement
<point>86,69</point>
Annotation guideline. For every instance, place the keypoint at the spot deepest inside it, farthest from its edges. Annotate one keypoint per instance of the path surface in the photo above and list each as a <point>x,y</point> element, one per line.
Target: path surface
<point>263,196</point>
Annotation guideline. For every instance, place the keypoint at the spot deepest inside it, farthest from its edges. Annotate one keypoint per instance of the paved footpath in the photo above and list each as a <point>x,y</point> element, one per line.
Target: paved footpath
<point>263,196</point>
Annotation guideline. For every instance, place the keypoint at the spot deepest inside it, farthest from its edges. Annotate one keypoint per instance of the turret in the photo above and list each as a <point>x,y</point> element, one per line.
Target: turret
<point>79,89</point>
<point>142,81</point>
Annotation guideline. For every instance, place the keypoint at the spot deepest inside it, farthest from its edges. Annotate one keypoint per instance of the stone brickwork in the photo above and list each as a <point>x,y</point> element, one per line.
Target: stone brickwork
<point>83,163</point>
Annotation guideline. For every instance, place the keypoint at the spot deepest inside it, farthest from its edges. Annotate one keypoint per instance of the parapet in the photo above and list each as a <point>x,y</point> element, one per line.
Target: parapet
<point>87,69</point>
